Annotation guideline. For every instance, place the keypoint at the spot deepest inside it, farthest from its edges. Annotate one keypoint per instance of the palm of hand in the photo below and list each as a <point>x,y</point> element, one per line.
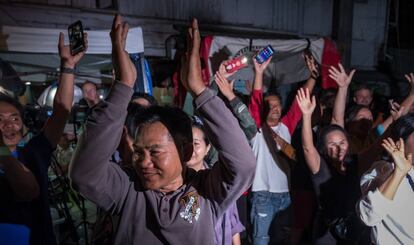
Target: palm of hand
<point>306,106</point>
<point>400,160</point>
<point>343,80</point>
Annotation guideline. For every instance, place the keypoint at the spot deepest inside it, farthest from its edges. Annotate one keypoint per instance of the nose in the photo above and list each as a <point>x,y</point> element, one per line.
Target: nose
<point>146,161</point>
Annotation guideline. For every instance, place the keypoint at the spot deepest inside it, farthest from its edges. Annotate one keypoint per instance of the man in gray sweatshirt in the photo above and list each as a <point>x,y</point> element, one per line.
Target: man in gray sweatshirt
<point>169,203</point>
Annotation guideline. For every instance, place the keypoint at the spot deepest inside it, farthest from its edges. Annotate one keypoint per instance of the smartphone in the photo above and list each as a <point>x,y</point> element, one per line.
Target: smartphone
<point>264,54</point>
<point>236,64</point>
<point>76,41</point>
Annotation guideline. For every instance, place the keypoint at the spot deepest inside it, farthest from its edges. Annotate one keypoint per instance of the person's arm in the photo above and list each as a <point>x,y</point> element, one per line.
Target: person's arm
<point>239,109</point>
<point>293,116</point>
<point>343,80</point>
<point>62,103</point>
<point>256,98</point>
<point>307,106</point>
<point>234,172</point>
<point>21,180</point>
<point>91,172</point>
<point>376,204</point>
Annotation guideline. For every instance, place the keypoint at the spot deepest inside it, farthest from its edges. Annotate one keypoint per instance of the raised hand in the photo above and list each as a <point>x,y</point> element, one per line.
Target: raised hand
<point>194,82</point>
<point>260,68</point>
<point>312,65</point>
<point>403,163</point>
<point>396,110</point>
<point>222,69</point>
<point>225,87</point>
<point>125,71</point>
<point>66,58</point>
<point>410,78</point>
<point>340,76</point>
<point>306,104</point>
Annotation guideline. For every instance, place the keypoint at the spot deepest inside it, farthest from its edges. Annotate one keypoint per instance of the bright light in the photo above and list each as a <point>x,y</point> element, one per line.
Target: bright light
<point>28,83</point>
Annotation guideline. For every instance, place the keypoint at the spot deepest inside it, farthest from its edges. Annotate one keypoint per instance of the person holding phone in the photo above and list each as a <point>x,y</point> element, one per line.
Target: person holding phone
<point>36,154</point>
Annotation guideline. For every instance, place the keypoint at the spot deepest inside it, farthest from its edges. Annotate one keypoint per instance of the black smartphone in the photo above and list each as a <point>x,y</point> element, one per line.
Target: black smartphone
<point>264,54</point>
<point>77,43</point>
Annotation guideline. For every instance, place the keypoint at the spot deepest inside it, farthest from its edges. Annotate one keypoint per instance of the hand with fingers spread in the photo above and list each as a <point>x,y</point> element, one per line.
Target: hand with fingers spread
<point>312,65</point>
<point>340,76</point>
<point>194,82</point>
<point>396,110</point>
<point>306,104</point>
<point>403,163</point>
<point>260,68</point>
<point>410,78</point>
<point>225,87</point>
<point>125,71</point>
<point>68,60</point>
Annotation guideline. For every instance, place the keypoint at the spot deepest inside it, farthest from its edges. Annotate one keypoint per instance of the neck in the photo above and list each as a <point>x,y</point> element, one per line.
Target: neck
<point>272,122</point>
<point>199,166</point>
<point>172,186</point>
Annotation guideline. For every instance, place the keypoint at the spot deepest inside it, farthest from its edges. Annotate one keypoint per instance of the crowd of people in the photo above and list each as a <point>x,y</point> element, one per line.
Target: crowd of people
<point>340,170</point>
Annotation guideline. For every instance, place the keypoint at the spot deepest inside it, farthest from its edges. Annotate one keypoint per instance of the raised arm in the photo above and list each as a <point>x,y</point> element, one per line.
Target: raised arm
<point>239,109</point>
<point>307,106</point>
<point>62,103</point>
<point>293,116</point>
<point>91,172</point>
<point>256,98</point>
<point>343,80</point>
<point>376,203</point>
<point>229,178</point>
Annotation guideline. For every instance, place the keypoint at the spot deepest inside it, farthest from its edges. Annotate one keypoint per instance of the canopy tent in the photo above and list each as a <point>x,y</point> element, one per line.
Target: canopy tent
<point>33,54</point>
<point>287,66</point>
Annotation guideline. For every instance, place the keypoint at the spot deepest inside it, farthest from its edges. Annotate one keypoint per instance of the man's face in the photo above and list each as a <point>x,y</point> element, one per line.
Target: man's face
<point>89,92</point>
<point>10,124</point>
<point>156,158</point>
<point>275,107</point>
<point>363,97</point>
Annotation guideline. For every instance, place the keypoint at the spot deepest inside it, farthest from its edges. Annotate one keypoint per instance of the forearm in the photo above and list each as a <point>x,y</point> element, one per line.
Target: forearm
<point>310,84</point>
<point>338,113</point>
<point>310,152</point>
<point>100,138</point>
<point>407,103</point>
<point>234,173</point>
<point>21,180</point>
<point>390,186</point>
<point>242,114</point>
<point>258,81</point>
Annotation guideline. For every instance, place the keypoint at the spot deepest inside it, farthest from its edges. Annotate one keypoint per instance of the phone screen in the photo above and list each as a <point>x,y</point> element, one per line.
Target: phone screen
<point>264,54</point>
<point>76,41</point>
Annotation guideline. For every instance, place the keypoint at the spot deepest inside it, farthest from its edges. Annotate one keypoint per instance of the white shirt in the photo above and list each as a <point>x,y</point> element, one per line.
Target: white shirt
<point>269,177</point>
<point>392,221</point>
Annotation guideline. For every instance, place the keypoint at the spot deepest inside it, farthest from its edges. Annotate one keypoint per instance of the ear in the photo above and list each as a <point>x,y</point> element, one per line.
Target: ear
<point>188,152</point>
<point>208,149</point>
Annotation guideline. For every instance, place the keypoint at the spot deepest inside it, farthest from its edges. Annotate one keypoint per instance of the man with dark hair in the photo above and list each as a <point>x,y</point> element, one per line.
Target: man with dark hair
<point>90,94</point>
<point>36,154</point>
<point>169,203</point>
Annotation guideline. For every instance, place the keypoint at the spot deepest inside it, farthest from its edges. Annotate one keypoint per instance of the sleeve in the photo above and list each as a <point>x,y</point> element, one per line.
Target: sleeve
<point>242,114</point>
<point>256,107</point>
<point>373,206</point>
<point>292,117</point>
<point>233,174</point>
<point>91,171</point>
<point>321,177</point>
<point>236,225</point>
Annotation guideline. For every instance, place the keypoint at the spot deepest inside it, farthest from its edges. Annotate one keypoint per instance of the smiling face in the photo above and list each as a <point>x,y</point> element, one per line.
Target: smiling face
<point>156,158</point>
<point>336,145</point>
<point>200,150</point>
<point>363,97</point>
<point>275,108</point>
<point>10,125</point>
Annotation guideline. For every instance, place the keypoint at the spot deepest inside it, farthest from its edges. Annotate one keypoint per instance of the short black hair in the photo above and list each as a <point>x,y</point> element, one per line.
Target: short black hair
<point>197,122</point>
<point>403,127</point>
<point>12,101</point>
<point>362,87</point>
<point>177,122</point>
<point>148,97</point>
<point>89,82</point>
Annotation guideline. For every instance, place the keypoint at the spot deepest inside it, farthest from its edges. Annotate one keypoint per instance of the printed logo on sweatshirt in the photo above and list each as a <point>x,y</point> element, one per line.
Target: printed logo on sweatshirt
<point>190,202</point>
